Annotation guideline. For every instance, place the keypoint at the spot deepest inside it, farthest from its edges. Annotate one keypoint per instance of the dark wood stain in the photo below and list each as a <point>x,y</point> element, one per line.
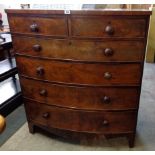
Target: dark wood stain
<point>79,49</point>
<point>121,27</point>
<point>50,26</point>
<point>81,97</point>
<point>81,73</point>
<point>124,12</point>
<point>81,121</point>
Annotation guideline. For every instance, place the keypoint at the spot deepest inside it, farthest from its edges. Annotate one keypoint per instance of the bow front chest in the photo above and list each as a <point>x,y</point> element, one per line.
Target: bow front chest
<point>81,72</point>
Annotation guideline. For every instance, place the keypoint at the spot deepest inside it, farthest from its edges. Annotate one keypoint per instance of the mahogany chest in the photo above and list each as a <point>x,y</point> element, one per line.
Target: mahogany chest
<point>81,72</point>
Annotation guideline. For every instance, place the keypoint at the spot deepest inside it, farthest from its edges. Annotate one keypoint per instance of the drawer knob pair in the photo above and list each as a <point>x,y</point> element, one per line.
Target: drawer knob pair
<point>37,48</point>
<point>34,27</point>
<point>40,71</point>
<point>43,92</point>
<point>107,75</point>
<point>109,30</point>
<point>45,115</point>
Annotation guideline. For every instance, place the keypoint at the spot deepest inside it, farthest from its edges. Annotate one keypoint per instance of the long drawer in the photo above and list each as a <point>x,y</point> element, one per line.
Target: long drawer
<point>107,27</point>
<point>49,26</point>
<point>80,49</point>
<point>80,73</point>
<point>90,98</point>
<point>83,121</point>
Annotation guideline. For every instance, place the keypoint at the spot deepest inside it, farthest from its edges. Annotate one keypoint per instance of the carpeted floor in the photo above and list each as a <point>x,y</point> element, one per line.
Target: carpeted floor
<point>145,138</point>
<point>14,121</point>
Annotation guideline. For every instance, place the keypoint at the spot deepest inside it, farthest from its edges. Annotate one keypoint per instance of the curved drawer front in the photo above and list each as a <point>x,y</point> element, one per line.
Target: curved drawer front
<point>79,73</point>
<point>94,98</point>
<point>83,121</point>
<point>53,26</point>
<point>108,27</point>
<point>79,49</point>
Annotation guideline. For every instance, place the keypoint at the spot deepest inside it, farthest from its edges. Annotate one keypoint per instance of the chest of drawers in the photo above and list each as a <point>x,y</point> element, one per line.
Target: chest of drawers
<point>81,72</point>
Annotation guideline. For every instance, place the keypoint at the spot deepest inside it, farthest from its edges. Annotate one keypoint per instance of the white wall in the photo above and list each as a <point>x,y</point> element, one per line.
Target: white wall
<point>35,6</point>
<point>2,10</point>
<point>4,16</point>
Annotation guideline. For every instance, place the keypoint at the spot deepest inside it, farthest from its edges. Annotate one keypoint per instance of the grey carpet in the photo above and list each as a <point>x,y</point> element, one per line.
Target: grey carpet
<point>145,137</point>
<point>14,121</point>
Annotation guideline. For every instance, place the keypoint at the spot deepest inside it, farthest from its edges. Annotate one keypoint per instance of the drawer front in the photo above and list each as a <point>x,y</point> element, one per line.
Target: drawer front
<point>107,27</point>
<point>80,50</point>
<point>79,73</point>
<point>56,26</point>
<point>89,98</point>
<point>83,121</point>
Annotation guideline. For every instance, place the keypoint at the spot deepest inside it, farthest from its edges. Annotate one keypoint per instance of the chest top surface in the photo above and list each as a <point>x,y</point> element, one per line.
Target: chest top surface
<point>82,10</point>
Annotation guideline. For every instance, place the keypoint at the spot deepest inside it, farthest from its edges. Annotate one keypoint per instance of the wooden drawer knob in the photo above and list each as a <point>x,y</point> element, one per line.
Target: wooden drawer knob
<point>105,123</point>
<point>106,99</point>
<point>43,92</point>
<point>69,42</point>
<point>107,75</point>
<point>109,30</point>
<point>108,52</point>
<point>40,71</point>
<point>37,48</point>
<point>34,28</point>
<point>46,115</point>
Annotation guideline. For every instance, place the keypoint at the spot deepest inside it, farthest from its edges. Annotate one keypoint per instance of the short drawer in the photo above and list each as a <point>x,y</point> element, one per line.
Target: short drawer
<point>126,27</point>
<point>88,98</point>
<point>80,73</point>
<point>80,49</point>
<point>52,26</point>
<point>79,120</point>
